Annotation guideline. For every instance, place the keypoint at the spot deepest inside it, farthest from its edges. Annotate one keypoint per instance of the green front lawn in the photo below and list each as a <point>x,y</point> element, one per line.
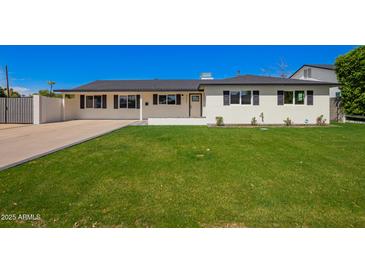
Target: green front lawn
<point>196,177</point>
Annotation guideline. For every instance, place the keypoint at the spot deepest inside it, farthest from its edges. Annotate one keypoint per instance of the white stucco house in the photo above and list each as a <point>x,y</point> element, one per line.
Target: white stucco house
<point>238,99</point>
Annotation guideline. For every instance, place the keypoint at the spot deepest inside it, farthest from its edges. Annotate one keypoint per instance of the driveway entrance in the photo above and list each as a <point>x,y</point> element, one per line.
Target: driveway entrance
<point>22,144</point>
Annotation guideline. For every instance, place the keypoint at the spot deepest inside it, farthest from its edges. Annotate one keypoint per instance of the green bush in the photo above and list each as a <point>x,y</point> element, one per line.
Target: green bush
<point>253,121</point>
<point>288,122</point>
<point>219,121</point>
<point>320,121</point>
<point>350,70</point>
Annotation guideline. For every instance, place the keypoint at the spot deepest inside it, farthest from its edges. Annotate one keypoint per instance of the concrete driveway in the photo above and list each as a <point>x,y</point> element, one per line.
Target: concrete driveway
<point>22,144</point>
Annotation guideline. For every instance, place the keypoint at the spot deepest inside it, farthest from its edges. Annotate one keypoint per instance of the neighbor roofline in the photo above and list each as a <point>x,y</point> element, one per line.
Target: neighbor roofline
<point>312,66</point>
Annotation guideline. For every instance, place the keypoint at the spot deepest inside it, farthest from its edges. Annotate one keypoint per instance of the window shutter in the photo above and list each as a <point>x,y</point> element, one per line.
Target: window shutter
<point>116,101</point>
<point>138,99</point>
<point>310,97</point>
<point>82,101</point>
<point>178,99</point>
<point>280,98</point>
<point>256,98</point>
<point>104,101</point>
<point>226,97</point>
<point>155,99</point>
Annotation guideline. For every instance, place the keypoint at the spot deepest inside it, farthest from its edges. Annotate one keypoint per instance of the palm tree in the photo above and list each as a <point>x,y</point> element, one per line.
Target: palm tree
<point>51,83</point>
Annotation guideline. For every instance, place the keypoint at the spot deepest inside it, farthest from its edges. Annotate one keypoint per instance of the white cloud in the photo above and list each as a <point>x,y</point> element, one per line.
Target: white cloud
<point>22,90</point>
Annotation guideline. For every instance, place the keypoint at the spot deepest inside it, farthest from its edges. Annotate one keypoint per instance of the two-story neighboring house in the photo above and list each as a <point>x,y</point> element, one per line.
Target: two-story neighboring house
<point>326,73</point>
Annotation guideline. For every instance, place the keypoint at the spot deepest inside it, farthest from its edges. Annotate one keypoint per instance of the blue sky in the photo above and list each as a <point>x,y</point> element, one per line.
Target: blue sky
<point>30,67</point>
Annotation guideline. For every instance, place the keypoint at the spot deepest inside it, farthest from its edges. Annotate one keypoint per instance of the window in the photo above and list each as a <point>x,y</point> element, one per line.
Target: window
<point>89,101</point>
<point>171,99</point>
<point>104,101</point>
<point>97,101</point>
<point>162,99</point>
<point>123,101</point>
<point>288,97</point>
<point>338,94</point>
<point>307,73</point>
<point>246,97</point>
<point>235,97</point>
<point>195,98</point>
<point>131,101</point>
<point>299,97</point>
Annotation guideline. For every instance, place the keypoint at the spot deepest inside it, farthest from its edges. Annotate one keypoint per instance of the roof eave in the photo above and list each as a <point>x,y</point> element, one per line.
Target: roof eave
<point>272,84</point>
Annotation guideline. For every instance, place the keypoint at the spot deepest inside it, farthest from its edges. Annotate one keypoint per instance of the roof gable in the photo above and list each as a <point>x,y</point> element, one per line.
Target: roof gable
<point>320,66</point>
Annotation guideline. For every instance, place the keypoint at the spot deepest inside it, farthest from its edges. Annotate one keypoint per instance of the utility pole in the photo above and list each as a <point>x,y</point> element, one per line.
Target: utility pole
<point>7,80</point>
<point>7,95</point>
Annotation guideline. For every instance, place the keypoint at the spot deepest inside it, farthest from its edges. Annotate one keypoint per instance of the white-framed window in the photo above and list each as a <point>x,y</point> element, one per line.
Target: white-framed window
<point>128,101</point>
<point>123,101</point>
<point>94,101</point>
<point>299,97</point>
<point>132,101</point>
<point>246,97</point>
<point>288,97</point>
<point>162,99</point>
<point>171,99</point>
<point>97,101</point>
<point>235,97</point>
<point>89,101</point>
<point>167,99</point>
<point>243,97</point>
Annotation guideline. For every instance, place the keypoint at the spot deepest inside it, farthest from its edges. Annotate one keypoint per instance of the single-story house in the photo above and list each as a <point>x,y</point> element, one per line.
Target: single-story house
<point>238,99</point>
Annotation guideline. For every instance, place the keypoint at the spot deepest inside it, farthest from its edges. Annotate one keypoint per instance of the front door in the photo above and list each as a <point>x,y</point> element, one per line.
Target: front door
<point>195,105</point>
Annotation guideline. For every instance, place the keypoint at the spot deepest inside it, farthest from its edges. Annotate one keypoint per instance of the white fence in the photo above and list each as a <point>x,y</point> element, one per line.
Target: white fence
<point>47,109</point>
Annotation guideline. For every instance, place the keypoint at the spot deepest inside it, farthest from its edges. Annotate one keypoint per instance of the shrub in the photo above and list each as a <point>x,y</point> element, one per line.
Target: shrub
<point>320,121</point>
<point>253,121</point>
<point>288,122</point>
<point>350,70</point>
<point>219,121</point>
<point>262,116</point>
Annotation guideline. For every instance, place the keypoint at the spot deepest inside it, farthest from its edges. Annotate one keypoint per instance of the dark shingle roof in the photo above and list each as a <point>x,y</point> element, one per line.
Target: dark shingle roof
<point>139,85</point>
<point>187,85</point>
<point>324,66</point>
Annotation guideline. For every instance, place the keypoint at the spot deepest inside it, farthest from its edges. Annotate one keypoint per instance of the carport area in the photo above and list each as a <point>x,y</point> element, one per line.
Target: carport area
<point>24,143</point>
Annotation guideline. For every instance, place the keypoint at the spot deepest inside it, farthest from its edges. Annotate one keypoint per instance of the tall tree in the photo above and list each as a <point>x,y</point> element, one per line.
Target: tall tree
<point>350,70</point>
<point>2,92</point>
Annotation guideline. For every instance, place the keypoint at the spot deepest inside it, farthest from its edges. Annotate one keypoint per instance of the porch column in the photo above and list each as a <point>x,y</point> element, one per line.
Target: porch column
<point>140,108</point>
